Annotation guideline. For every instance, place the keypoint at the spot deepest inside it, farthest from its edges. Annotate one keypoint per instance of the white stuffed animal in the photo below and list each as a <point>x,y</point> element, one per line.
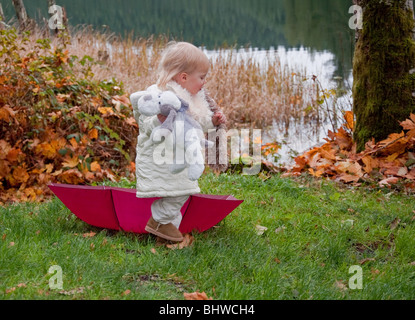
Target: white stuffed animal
<point>187,133</point>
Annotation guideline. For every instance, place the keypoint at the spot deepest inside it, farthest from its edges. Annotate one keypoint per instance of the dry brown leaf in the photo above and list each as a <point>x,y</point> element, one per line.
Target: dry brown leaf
<point>93,134</point>
<point>370,163</point>
<point>95,166</point>
<point>126,292</point>
<point>89,234</point>
<point>70,162</point>
<point>196,296</point>
<point>395,223</point>
<point>349,117</point>
<point>339,284</point>
<point>388,181</point>
<point>187,241</point>
<point>72,176</point>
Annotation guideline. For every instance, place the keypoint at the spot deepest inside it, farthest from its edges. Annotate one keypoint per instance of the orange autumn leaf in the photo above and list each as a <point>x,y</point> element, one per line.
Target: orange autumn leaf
<point>343,139</point>
<point>196,296</point>
<point>131,121</point>
<point>89,175</point>
<point>5,113</point>
<point>4,149</point>
<point>96,102</point>
<point>388,181</point>
<point>73,143</point>
<point>349,117</point>
<point>71,162</point>
<point>106,110</point>
<point>370,163</point>
<point>4,169</point>
<point>122,99</point>
<point>20,175</point>
<point>392,157</point>
<point>51,149</point>
<point>93,134</point>
<point>345,177</point>
<point>13,155</point>
<point>187,242</point>
<point>126,292</point>
<point>409,124</point>
<point>72,176</point>
<point>95,166</point>
<point>89,234</point>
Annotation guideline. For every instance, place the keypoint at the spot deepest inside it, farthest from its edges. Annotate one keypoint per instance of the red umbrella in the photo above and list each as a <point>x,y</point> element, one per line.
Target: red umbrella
<point>120,209</point>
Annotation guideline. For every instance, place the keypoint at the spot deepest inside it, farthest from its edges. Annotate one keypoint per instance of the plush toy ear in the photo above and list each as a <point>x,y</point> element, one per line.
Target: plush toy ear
<point>148,106</point>
<point>169,98</point>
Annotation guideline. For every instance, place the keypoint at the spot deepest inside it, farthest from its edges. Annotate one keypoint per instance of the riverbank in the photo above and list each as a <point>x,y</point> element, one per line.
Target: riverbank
<point>288,94</point>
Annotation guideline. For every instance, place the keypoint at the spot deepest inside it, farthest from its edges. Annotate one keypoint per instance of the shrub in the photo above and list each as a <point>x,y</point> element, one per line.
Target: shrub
<point>57,123</point>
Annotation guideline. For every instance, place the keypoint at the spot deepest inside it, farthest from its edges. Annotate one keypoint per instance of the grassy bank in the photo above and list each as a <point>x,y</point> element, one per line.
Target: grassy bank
<point>315,233</point>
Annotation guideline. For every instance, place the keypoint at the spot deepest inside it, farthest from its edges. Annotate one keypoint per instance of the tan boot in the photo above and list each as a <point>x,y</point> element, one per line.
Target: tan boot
<point>165,231</point>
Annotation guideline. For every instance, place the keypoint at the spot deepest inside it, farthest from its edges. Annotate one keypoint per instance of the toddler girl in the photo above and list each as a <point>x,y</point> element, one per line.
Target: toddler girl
<point>183,69</point>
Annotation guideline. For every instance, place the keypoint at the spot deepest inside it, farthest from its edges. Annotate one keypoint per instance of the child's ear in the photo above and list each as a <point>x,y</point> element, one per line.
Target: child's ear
<point>183,76</point>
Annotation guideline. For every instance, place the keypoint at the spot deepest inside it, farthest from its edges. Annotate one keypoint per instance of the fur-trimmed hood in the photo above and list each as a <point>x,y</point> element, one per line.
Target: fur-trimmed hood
<point>199,107</point>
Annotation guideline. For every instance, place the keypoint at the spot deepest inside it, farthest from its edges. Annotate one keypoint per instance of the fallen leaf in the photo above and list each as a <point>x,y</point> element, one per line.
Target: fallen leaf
<point>10,290</point>
<point>71,162</point>
<point>93,134</point>
<point>279,229</point>
<point>260,229</point>
<point>196,296</point>
<point>340,285</point>
<point>388,181</point>
<point>187,241</point>
<point>89,234</point>
<point>106,110</point>
<point>126,292</point>
<point>73,291</point>
<point>394,223</point>
<point>95,166</point>
<point>349,117</point>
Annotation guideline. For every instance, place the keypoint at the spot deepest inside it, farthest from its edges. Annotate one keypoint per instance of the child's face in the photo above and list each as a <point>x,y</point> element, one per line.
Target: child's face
<point>192,82</point>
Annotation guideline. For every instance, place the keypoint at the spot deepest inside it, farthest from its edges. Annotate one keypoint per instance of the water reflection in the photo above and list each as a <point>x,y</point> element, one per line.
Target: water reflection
<point>296,135</point>
<point>311,36</point>
<point>318,25</point>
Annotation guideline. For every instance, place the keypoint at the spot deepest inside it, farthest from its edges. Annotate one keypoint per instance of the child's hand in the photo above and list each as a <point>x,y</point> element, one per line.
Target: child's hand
<point>161,118</point>
<point>218,119</point>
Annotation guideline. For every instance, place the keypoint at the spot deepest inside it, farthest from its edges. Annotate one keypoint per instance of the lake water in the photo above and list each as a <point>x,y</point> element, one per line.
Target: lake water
<point>310,35</point>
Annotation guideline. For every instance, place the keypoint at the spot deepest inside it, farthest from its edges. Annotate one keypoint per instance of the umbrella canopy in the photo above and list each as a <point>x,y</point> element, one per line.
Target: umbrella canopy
<point>120,209</point>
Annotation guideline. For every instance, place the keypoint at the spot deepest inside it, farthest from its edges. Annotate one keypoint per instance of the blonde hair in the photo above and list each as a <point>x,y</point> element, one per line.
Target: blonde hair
<point>180,57</point>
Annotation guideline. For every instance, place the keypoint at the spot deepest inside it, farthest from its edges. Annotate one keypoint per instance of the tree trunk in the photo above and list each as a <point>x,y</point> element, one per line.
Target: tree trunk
<point>21,13</point>
<point>383,69</point>
<point>2,18</point>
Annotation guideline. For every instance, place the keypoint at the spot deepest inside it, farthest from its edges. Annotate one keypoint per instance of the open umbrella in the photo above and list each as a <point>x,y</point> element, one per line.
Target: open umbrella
<point>120,209</point>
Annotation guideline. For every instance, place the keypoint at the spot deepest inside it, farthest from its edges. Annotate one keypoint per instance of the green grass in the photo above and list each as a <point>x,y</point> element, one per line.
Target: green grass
<point>309,258</point>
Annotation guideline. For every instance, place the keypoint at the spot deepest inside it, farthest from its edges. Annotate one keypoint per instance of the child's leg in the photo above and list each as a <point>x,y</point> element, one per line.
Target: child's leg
<point>167,210</point>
